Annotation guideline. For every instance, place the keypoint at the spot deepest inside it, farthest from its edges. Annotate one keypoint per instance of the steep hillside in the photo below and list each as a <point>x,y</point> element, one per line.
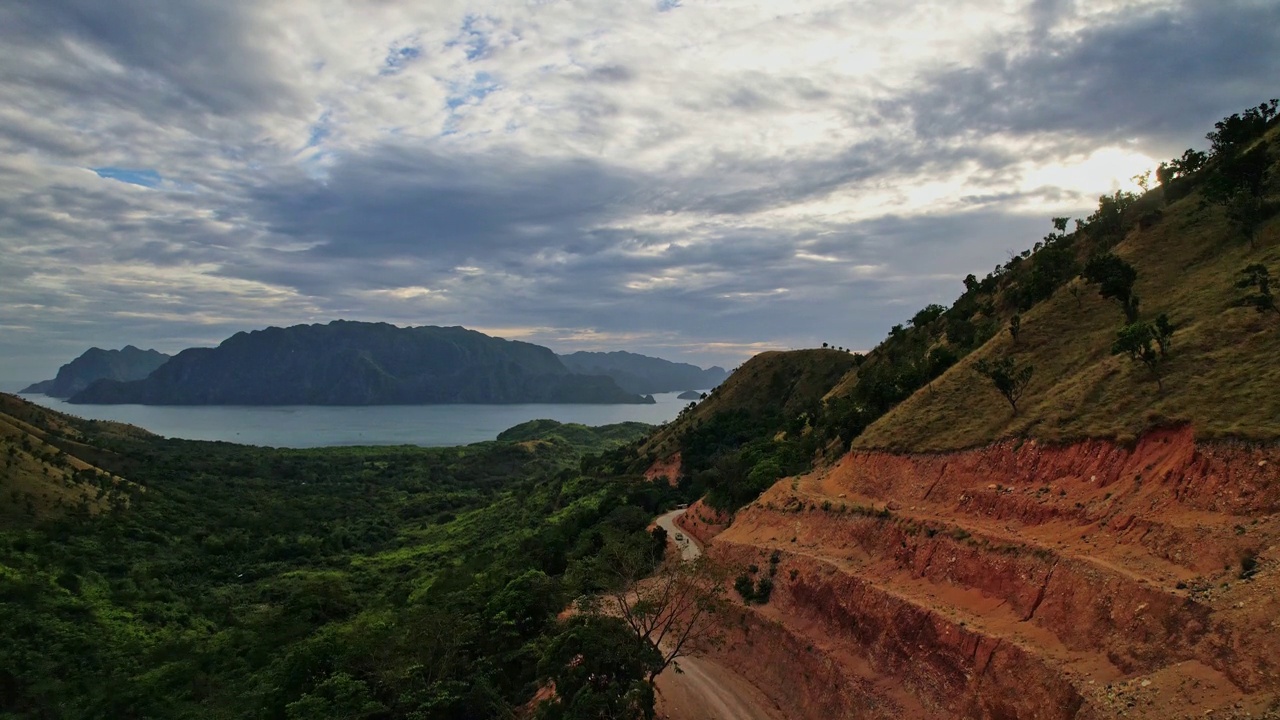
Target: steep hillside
<point>1112,549</point>
<point>1220,376</point>
<point>769,384</point>
<point>355,363</point>
<point>49,465</point>
<point>128,363</point>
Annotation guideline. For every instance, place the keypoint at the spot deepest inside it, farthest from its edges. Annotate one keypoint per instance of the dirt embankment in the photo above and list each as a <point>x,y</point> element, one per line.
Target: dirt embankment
<point>703,522</point>
<point>668,468</point>
<point>1020,581</point>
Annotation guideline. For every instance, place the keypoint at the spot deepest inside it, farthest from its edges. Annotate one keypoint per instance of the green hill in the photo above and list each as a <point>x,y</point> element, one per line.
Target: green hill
<point>1220,372</point>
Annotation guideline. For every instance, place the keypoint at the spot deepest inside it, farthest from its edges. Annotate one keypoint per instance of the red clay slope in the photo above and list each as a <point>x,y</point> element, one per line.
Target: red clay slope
<point>1019,581</point>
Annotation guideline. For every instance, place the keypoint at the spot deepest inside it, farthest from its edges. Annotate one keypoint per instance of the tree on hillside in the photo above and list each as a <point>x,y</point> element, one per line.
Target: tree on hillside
<point>675,610</point>
<point>1257,276</point>
<point>1114,278</point>
<point>599,669</point>
<point>1146,343</point>
<point>1172,175</point>
<point>1239,186</point>
<point>1008,377</point>
<point>1233,132</point>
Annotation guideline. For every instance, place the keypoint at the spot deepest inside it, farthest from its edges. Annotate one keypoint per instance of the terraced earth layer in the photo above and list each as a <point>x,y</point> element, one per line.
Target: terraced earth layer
<point>1019,581</point>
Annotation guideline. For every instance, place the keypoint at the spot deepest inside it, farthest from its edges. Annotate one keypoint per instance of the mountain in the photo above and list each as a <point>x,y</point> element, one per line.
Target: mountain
<point>1047,500</point>
<point>643,374</point>
<point>357,363</point>
<point>128,363</point>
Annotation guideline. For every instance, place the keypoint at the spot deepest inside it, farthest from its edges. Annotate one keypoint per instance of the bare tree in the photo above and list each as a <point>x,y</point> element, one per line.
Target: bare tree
<point>675,610</point>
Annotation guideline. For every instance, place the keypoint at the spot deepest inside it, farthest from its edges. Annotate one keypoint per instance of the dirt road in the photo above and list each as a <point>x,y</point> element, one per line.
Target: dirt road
<point>706,690</point>
<point>689,548</point>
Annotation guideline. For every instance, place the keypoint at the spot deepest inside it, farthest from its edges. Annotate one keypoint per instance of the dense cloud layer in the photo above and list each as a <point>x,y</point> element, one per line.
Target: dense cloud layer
<point>693,180</point>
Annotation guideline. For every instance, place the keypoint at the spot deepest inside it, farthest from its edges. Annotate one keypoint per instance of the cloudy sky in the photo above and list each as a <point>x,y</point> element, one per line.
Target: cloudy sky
<point>695,179</point>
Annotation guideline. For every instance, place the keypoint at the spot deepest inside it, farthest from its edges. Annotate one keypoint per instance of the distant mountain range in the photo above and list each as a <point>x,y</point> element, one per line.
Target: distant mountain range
<point>128,363</point>
<point>643,374</point>
<point>357,363</point>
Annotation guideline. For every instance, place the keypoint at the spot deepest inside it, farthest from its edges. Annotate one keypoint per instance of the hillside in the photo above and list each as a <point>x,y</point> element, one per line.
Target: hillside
<point>1112,549</point>
<point>355,363</point>
<point>1220,377</point>
<point>776,383</point>
<point>642,374</point>
<point>128,363</point>
<point>51,465</point>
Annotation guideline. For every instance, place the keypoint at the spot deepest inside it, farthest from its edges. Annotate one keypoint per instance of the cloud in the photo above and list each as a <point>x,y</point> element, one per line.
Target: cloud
<point>1160,76</point>
<point>692,179</point>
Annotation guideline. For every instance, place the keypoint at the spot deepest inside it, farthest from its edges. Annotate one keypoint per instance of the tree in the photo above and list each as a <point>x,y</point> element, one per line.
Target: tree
<point>1233,132</point>
<point>673,611</point>
<point>1257,276</point>
<point>1239,186</point>
<point>599,670</point>
<point>1142,180</point>
<point>1145,343</point>
<point>1115,279</point>
<point>1076,292</point>
<point>1015,326</point>
<point>927,314</point>
<point>1008,377</point>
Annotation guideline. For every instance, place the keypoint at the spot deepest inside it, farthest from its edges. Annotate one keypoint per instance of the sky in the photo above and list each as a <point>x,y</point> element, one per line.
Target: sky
<point>694,179</point>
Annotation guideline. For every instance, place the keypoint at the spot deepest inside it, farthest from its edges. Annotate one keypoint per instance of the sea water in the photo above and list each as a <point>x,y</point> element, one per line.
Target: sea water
<point>302,426</point>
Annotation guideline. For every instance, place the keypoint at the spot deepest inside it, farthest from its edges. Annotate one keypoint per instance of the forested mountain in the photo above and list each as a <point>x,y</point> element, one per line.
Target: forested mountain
<point>643,374</point>
<point>128,363</point>
<point>357,363</point>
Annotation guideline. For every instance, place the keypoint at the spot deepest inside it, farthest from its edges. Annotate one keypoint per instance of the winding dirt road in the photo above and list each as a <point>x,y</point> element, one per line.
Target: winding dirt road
<point>689,548</point>
<point>704,689</point>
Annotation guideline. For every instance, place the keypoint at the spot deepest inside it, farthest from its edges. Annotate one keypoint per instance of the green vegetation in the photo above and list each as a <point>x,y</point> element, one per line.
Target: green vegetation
<point>1257,276</point>
<point>344,582</point>
<point>1009,378</point>
<point>1180,248</point>
<point>1145,343</point>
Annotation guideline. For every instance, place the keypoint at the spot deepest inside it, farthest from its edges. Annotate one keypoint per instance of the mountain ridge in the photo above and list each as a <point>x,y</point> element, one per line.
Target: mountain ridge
<point>125,364</point>
<point>357,363</point>
<point>644,374</point>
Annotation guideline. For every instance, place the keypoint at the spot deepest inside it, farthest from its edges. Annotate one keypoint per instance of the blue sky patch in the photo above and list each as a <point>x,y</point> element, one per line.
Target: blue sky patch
<point>480,86</point>
<point>399,56</point>
<point>472,38</point>
<point>133,176</point>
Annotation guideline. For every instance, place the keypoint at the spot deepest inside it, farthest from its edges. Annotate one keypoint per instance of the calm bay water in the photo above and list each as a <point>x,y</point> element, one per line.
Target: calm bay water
<point>315,426</point>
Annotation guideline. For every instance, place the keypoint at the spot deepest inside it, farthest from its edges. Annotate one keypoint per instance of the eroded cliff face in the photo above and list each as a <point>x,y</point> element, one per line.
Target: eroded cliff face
<point>1020,581</point>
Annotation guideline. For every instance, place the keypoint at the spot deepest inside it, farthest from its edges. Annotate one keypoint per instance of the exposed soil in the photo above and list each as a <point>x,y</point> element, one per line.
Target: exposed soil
<point>703,689</point>
<point>703,523</point>
<point>1018,581</point>
<point>669,468</point>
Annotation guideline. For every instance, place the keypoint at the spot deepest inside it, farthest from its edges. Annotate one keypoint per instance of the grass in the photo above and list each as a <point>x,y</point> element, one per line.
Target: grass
<point>787,381</point>
<point>1221,376</point>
